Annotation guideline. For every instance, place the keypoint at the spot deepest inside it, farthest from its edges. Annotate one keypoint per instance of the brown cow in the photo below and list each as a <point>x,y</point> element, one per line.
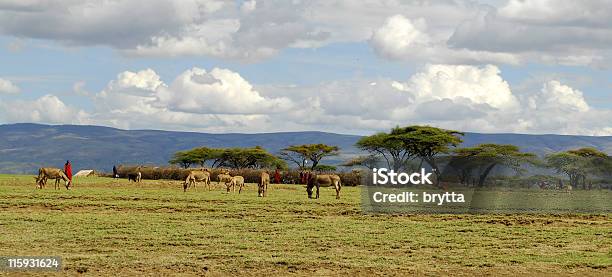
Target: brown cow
<point>264,181</point>
<point>196,176</point>
<point>236,181</point>
<point>45,173</point>
<point>316,180</point>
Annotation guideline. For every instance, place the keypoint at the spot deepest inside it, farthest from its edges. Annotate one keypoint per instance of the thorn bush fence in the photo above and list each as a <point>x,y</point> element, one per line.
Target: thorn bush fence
<point>250,175</point>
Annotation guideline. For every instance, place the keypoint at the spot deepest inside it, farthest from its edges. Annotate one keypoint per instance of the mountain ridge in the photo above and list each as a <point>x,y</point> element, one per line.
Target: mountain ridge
<point>24,147</point>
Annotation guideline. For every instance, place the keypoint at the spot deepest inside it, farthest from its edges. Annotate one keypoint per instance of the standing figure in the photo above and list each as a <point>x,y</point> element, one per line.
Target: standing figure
<point>68,172</point>
<point>277,177</point>
<point>138,175</point>
<point>302,177</point>
<point>115,174</point>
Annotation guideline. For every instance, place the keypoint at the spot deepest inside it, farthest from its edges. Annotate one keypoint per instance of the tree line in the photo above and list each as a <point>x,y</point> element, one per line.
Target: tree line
<point>406,148</point>
<point>307,156</point>
<point>409,148</point>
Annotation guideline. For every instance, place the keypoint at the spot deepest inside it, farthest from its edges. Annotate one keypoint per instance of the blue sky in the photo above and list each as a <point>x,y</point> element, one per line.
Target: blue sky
<point>341,66</point>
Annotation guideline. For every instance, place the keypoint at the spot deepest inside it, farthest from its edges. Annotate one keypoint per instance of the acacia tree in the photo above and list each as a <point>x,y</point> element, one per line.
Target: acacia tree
<point>299,154</point>
<point>425,142</point>
<point>204,154</point>
<point>255,157</point>
<point>369,161</point>
<point>395,152</point>
<point>485,157</point>
<point>579,164</point>
<point>185,158</point>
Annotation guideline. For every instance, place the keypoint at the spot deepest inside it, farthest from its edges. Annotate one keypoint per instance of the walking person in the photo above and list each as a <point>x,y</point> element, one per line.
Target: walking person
<point>115,174</point>
<point>68,172</point>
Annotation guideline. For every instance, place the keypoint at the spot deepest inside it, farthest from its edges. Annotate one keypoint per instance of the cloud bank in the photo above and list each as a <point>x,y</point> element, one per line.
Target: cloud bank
<point>463,97</point>
<point>457,45</point>
<point>450,32</point>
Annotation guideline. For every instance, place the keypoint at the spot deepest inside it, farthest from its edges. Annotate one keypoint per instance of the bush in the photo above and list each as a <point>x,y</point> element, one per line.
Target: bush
<point>154,173</point>
<point>250,175</point>
<point>351,179</point>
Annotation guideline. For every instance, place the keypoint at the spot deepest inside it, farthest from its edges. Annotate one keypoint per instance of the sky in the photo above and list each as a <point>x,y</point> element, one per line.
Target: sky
<point>345,66</point>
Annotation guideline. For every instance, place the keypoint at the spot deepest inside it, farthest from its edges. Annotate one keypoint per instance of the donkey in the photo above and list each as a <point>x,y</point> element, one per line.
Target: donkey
<point>264,181</point>
<point>236,181</point>
<point>196,176</point>
<point>45,173</point>
<point>316,180</point>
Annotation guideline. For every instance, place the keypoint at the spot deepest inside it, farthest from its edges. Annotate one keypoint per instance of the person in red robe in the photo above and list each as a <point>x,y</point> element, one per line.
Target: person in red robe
<point>305,177</point>
<point>277,177</point>
<point>68,172</point>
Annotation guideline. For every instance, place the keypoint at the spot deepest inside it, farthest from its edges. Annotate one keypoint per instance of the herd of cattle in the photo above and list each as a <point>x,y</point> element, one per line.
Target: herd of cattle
<point>231,182</point>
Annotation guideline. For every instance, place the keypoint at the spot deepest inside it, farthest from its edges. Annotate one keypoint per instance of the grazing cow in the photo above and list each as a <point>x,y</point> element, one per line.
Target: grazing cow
<point>264,181</point>
<point>236,181</point>
<point>316,180</point>
<point>45,173</point>
<point>223,178</point>
<point>196,176</point>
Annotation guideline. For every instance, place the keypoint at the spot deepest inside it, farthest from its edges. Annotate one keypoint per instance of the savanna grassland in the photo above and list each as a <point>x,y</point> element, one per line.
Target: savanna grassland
<point>106,226</point>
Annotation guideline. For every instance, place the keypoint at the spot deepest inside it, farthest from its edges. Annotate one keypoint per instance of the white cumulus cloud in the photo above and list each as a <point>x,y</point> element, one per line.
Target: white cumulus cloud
<point>558,97</point>
<point>217,100</point>
<point>405,39</point>
<point>219,91</point>
<point>8,87</point>
<point>461,97</point>
<point>399,36</point>
<point>481,85</point>
<point>46,109</point>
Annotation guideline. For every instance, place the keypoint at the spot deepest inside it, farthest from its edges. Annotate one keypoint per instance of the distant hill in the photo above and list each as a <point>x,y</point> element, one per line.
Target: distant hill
<point>25,147</point>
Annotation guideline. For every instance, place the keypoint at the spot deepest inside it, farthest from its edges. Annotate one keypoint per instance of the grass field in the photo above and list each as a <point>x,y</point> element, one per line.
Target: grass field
<point>106,226</point>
